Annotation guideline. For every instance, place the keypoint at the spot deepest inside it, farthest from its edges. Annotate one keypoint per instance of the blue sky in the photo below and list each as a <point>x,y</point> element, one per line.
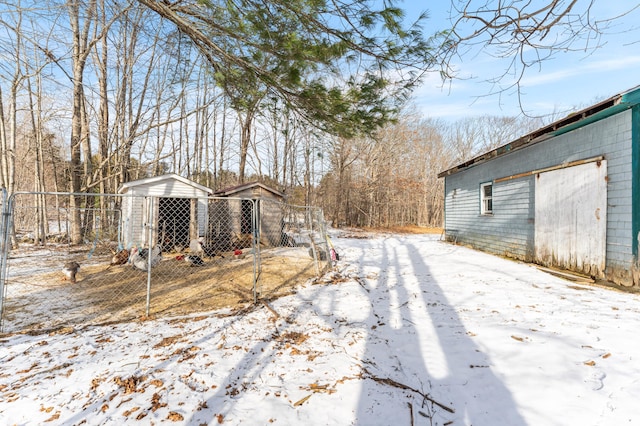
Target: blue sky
<point>570,80</point>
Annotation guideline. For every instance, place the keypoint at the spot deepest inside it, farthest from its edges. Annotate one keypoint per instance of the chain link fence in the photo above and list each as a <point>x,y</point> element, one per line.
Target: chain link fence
<point>119,257</point>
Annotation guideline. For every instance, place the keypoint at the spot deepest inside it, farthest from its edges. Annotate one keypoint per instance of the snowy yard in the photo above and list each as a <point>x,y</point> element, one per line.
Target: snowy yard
<point>408,331</point>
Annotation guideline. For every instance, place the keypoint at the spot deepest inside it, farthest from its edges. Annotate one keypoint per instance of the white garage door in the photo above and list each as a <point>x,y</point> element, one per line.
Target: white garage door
<point>571,218</point>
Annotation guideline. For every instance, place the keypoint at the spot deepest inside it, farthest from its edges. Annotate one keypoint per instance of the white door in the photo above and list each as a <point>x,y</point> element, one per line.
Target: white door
<point>571,218</point>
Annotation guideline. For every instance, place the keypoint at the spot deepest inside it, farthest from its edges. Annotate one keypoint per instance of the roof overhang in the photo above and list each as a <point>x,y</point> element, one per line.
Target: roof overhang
<point>229,192</point>
<point>157,179</point>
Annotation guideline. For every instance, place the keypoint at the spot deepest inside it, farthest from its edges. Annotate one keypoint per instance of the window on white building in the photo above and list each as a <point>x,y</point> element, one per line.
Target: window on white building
<point>486,198</point>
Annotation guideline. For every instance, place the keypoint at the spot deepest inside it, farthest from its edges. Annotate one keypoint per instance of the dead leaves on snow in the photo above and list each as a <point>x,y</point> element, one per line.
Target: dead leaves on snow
<point>317,388</point>
<point>168,341</point>
<point>138,384</point>
<point>292,338</point>
<point>128,385</point>
<point>289,340</point>
<point>331,278</point>
<point>591,362</point>
<point>53,417</point>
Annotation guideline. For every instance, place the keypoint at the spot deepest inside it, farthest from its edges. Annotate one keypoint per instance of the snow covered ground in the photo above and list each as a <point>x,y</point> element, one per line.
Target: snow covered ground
<point>408,331</point>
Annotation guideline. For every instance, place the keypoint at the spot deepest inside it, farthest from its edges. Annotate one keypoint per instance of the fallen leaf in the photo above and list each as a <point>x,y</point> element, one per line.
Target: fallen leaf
<point>127,413</point>
<point>56,416</point>
<point>95,383</point>
<point>590,363</point>
<point>130,384</point>
<point>315,386</point>
<point>175,417</point>
<point>156,382</point>
<point>519,339</point>
<point>167,341</point>
<point>155,402</point>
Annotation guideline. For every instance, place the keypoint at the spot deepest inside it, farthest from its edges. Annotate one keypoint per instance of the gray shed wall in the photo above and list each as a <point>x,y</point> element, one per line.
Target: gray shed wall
<point>510,230</point>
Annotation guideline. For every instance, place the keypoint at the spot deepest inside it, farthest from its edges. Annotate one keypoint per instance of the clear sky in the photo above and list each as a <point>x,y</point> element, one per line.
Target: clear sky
<point>570,80</point>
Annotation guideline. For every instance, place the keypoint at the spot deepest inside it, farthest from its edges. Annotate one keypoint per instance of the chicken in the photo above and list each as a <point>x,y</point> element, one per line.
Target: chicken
<point>139,258</point>
<point>70,269</point>
<point>194,260</point>
<point>208,250</point>
<point>120,257</point>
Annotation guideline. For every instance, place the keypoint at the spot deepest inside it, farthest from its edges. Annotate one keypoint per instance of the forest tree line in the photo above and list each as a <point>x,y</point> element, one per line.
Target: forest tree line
<point>96,93</point>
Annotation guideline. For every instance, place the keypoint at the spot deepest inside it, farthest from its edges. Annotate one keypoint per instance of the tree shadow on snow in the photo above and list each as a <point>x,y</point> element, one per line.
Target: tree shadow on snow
<point>419,358</point>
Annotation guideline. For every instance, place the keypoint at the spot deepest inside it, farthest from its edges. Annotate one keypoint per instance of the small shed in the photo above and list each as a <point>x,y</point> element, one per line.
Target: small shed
<point>566,195</point>
<point>241,214</point>
<point>175,206</point>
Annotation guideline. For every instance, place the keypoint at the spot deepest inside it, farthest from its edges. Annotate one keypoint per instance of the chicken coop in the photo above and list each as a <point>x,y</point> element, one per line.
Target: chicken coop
<point>173,206</point>
<point>245,213</point>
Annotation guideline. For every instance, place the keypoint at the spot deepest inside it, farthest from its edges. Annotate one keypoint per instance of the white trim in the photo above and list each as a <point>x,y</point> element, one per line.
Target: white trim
<point>486,201</point>
<point>155,179</point>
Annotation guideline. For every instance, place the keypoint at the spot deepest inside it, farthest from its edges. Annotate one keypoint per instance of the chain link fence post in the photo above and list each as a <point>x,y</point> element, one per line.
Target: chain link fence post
<point>148,233</point>
<point>4,249</point>
<point>256,248</point>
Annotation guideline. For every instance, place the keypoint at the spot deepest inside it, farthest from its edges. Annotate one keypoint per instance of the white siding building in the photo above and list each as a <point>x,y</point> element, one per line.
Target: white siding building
<point>168,209</point>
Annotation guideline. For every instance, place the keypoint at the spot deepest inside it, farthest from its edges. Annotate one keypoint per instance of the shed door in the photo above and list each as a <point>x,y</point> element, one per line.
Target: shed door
<point>174,218</point>
<point>571,218</point>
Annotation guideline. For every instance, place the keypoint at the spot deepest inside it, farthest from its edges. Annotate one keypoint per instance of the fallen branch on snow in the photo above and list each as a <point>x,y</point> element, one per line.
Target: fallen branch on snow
<point>273,311</point>
<point>393,383</point>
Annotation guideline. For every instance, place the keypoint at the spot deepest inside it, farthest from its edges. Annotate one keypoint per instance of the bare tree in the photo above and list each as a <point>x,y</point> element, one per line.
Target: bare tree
<point>528,32</point>
<point>9,137</point>
<point>5,158</point>
<point>470,136</point>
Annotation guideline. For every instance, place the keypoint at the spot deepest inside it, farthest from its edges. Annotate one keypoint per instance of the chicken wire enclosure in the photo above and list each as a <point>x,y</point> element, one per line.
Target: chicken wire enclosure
<point>142,256</point>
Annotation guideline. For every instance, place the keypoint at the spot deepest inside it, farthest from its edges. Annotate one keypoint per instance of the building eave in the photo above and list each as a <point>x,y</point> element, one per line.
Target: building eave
<point>155,179</point>
<point>228,192</point>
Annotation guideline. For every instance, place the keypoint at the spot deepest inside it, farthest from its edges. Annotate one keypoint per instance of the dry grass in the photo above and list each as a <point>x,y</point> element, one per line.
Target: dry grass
<point>106,293</point>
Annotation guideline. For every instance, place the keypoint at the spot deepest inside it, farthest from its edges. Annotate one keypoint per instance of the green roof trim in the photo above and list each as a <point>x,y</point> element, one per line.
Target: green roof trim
<point>632,97</point>
<point>592,118</point>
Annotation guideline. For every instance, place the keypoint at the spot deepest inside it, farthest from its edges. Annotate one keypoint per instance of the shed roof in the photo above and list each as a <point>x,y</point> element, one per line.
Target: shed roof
<point>230,191</point>
<point>575,120</point>
<point>162,179</point>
